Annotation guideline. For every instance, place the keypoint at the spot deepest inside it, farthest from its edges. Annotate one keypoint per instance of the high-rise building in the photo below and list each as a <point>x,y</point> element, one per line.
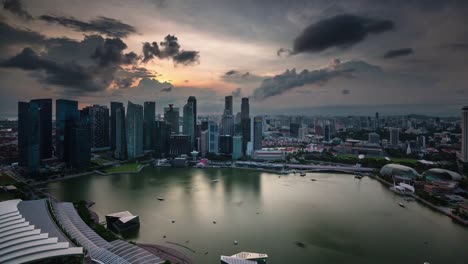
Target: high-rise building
<point>66,118</point>
<point>377,120</point>
<point>245,108</point>
<point>171,116</point>
<point>163,133</point>
<point>246,126</point>
<point>225,145</point>
<point>236,147</point>
<point>149,117</point>
<point>29,137</point>
<point>421,142</point>
<point>80,147</point>
<point>34,133</point>
<point>464,126</point>
<point>213,137</point>
<point>113,117</point>
<point>98,121</point>
<point>187,124</point>
<point>193,100</point>
<point>45,127</point>
<point>179,144</point>
<point>373,138</point>
<point>120,133</point>
<point>327,132</point>
<point>257,132</point>
<point>228,104</point>
<point>227,124</point>
<point>294,129</point>
<point>394,136</point>
<point>302,133</point>
<point>134,125</point>
<point>204,139</point>
<point>245,123</point>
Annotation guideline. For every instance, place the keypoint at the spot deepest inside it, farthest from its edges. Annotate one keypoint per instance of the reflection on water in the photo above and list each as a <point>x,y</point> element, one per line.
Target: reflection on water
<point>338,219</point>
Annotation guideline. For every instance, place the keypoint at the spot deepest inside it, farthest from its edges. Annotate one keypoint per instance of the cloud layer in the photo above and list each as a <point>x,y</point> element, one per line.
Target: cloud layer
<point>16,7</point>
<point>341,31</point>
<point>169,49</point>
<point>102,25</point>
<point>398,53</point>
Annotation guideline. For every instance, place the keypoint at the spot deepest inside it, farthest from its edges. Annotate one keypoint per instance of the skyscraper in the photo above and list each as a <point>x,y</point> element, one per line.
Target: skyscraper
<point>327,132</point>
<point>171,116</point>
<point>464,126</point>
<point>148,131</point>
<point>98,117</point>
<point>45,127</point>
<point>227,124</point>
<point>29,137</point>
<point>134,125</point>
<point>80,147</point>
<point>394,136</point>
<point>225,144</point>
<point>179,144</point>
<point>236,147</point>
<point>193,101</point>
<point>187,126</point>
<point>257,133</point>
<point>294,129</point>
<point>228,104</point>
<point>213,137</point>
<point>162,135</point>
<point>113,117</point>
<point>245,108</point>
<point>377,120</point>
<point>66,117</point>
<point>204,139</point>
<point>227,120</point>
<point>245,123</point>
<point>120,133</point>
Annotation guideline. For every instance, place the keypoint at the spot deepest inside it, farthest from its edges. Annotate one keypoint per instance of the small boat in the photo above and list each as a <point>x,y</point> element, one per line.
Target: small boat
<point>160,199</point>
<point>214,222</point>
<point>401,205</point>
<point>302,174</point>
<point>358,176</point>
<point>235,242</point>
<point>313,179</point>
<point>173,221</point>
<point>215,181</point>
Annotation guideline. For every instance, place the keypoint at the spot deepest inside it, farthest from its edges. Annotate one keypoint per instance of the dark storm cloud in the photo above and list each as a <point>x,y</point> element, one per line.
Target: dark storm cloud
<point>341,31</point>
<point>169,49</point>
<point>111,53</point>
<point>11,36</point>
<point>16,7</point>
<point>187,57</point>
<point>69,75</point>
<point>103,25</point>
<point>398,53</point>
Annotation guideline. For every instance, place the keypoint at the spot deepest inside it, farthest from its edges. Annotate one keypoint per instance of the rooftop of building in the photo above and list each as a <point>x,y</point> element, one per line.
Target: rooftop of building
<point>28,233</point>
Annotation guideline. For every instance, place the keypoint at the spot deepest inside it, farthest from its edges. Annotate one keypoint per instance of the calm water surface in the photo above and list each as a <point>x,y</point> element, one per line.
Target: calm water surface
<point>339,218</point>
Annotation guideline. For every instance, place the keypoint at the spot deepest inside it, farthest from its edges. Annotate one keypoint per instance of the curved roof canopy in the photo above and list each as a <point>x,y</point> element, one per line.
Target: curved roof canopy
<point>28,233</point>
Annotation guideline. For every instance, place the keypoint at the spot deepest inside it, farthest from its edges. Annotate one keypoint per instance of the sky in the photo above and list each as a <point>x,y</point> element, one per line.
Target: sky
<point>305,57</point>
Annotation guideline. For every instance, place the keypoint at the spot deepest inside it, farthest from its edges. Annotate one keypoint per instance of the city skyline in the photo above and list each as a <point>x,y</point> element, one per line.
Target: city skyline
<point>166,51</point>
